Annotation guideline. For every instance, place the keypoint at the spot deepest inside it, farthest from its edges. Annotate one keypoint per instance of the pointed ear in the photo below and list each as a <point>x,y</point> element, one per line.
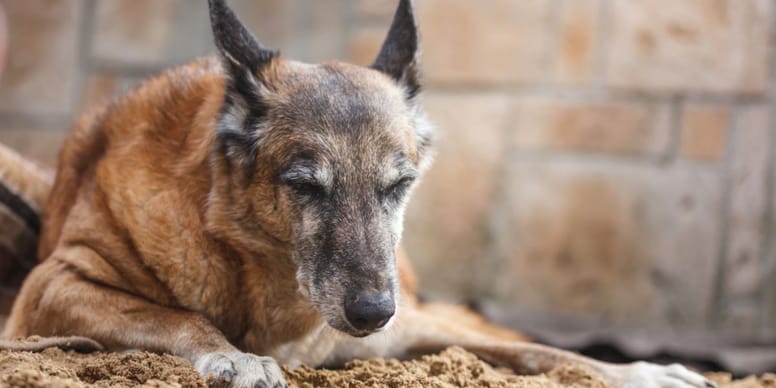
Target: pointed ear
<point>244,61</point>
<point>399,56</point>
<point>236,44</point>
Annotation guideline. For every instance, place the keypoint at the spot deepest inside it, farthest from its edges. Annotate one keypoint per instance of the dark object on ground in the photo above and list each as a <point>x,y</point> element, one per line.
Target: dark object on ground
<point>37,344</point>
<point>710,351</point>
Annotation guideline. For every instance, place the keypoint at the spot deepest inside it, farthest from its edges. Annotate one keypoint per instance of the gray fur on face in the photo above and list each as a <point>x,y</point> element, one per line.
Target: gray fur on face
<point>349,181</point>
<point>347,144</point>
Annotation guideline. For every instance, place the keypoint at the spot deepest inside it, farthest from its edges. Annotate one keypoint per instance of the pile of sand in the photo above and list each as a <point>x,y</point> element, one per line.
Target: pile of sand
<point>56,368</point>
<point>453,367</point>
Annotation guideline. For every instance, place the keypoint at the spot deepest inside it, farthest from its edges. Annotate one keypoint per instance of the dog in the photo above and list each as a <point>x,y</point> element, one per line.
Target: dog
<point>246,210</point>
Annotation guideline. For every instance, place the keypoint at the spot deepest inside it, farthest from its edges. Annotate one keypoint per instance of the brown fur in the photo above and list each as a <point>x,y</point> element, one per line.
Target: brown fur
<point>125,225</point>
<point>131,258</point>
<point>144,246</point>
<point>126,216</point>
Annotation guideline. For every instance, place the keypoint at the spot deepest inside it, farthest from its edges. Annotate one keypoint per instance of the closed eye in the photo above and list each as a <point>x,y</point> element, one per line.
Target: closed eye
<point>303,182</point>
<point>396,190</point>
<point>310,189</point>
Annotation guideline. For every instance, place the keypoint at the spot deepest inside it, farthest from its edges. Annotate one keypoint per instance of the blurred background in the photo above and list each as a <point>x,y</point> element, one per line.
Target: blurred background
<point>603,161</point>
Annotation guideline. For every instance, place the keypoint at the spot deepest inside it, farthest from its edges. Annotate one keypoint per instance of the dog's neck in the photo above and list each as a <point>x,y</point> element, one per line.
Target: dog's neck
<point>259,240</point>
<point>232,216</point>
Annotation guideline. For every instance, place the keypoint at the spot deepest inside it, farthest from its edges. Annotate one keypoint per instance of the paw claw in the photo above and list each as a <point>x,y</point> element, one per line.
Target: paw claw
<point>226,375</point>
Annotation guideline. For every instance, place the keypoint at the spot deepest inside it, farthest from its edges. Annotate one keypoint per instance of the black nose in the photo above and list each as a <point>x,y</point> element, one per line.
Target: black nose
<point>370,310</point>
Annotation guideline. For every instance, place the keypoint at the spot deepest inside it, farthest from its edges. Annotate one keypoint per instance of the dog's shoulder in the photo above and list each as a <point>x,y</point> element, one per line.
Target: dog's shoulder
<point>158,131</point>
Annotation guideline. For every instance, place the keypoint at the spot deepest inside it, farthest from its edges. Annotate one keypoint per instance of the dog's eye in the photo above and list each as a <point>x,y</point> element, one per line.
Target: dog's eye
<point>396,190</point>
<point>308,188</point>
<point>303,183</point>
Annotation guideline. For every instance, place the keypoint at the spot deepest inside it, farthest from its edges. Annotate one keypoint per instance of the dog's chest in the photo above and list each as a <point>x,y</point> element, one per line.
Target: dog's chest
<point>276,313</point>
<point>313,349</point>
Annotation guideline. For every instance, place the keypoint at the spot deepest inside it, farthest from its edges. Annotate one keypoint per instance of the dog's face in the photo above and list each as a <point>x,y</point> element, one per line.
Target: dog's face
<point>339,147</point>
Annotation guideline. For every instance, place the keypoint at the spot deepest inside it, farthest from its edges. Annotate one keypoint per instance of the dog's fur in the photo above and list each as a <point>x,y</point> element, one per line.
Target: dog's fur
<point>230,208</point>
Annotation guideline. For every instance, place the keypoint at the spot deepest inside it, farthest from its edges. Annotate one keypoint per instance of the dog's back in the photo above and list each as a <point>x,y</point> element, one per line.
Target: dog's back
<point>31,221</point>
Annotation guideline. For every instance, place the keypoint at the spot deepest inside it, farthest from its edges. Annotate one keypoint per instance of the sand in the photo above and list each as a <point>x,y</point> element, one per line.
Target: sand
<point>57,368</point>
<point>453,367</point>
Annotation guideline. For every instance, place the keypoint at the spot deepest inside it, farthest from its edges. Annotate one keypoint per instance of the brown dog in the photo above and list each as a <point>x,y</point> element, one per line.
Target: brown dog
<point>247,209</point>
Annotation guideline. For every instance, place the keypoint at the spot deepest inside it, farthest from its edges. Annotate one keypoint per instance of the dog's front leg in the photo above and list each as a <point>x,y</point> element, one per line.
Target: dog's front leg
<point>418,331</point>
<point>57,301</point>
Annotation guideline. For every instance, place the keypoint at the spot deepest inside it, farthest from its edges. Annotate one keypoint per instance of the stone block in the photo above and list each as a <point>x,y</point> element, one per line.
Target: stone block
<point>364,44</point>
<point>375,10</point>
<point>41,75</point>
<point>590,126</point>
<point>448,217</point>
<point>579,42</point>
<point>39,144</point>
<point>748,202</point>
<point>156,34</point>
<point>137,32</point>
<point>633,244</point>
<point>704,132</point>
<point>323,31</point>
<point>716,46</point>
<point>486,42</point>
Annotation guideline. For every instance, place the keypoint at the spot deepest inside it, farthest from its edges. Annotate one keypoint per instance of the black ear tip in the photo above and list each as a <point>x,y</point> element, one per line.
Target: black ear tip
<point>399,54</point>
<point>222,18</point>
<point>233,40</point>
<point>216,7</point>
<point>405,11</point>
<point>219,15</point>
<point>406,6</point>
<point>404,22</point>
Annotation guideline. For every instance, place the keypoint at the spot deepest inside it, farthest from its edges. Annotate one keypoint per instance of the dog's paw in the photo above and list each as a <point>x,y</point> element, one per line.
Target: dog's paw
<point>243,370</point>
<point>647,375</point>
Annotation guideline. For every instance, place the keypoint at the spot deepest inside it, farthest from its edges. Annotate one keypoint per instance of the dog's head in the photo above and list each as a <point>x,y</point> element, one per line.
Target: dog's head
<point>326,156</point>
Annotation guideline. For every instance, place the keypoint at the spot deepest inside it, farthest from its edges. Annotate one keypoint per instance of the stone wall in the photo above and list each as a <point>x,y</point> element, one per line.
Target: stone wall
<point>607,158</point>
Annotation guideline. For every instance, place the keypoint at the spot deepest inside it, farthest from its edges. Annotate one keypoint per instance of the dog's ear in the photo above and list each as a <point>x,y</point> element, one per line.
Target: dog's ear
<point>244,60</point>
<point>399,56</point>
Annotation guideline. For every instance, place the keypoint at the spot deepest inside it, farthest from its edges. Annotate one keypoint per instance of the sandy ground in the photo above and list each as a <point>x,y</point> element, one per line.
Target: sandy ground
<point>452,368</point>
